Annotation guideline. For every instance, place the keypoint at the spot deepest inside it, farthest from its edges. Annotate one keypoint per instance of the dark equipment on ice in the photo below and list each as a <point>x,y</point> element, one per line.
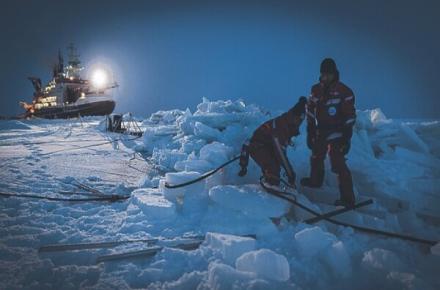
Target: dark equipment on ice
<point>114,123</point>
<point>117,124</point>
<point>268,145</point>
<point>155,245</point>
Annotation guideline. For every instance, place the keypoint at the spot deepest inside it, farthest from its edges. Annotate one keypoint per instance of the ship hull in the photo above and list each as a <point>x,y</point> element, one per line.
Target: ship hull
<point>71,111</point>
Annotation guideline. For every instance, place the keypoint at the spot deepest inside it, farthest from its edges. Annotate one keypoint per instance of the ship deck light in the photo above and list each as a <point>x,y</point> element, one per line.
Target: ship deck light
<point>99,78</point>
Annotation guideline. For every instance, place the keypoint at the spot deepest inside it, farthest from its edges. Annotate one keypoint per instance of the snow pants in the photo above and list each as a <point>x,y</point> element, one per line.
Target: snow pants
<point>266,157</point>
<point>338,165</point>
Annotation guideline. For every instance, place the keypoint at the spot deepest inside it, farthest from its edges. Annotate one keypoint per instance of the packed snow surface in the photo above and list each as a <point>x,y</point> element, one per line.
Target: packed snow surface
<point>249,239</point>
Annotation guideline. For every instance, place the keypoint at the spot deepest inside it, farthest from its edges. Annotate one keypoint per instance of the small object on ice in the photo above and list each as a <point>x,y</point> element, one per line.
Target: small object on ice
<point>230,246</point>
<point>265,263</point>
<point>312,240</point>
<point>435,250</point>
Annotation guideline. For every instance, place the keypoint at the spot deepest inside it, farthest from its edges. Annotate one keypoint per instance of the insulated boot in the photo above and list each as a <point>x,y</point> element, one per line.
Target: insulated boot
<point>271,186</point>
<point>346,189</point>
<point>271,181</point>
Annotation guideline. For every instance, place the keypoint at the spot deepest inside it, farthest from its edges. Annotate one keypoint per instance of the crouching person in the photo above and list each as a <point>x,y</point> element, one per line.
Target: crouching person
<point>267,146</point>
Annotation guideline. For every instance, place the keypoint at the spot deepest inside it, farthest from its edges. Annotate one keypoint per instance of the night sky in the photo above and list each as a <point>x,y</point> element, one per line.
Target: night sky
<point>169,54</point>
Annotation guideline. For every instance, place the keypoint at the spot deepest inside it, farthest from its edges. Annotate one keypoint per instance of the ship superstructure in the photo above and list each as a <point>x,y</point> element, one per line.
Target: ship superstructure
<point>68,95</point>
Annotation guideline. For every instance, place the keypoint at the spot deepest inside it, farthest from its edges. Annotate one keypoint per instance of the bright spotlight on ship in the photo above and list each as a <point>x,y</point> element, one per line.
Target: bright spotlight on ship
<point>99,78</point>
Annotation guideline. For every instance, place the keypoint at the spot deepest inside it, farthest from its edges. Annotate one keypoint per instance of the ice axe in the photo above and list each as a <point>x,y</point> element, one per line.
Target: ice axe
<point>284,161</point>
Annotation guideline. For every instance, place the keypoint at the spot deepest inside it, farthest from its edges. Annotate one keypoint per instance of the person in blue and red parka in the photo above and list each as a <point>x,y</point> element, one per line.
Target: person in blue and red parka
<point>331,115</point>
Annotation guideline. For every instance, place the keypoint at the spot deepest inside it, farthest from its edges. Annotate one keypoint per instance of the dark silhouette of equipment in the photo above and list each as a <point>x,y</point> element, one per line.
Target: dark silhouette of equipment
<point>117,124</point>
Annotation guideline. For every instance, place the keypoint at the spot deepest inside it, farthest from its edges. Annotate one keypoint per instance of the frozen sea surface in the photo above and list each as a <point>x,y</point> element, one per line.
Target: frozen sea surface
<point>396,162</point>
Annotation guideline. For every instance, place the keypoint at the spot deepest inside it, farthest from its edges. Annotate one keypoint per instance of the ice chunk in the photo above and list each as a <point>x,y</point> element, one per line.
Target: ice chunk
<point>265,263</point>
<point>406,280</point>
<point>216,153</point>
<point>193,165</point>
<point>220,106</point>
<point>378,117</point>
<point>185,123</point>
<point>381,259</point>
<point>153,204</point>
<point>191,143</point>
<point>177,194</point>
<point>338,260</point>
<point>413,140</point>
<point>249,199</point>
<point>230,247</point>
<point>205,132</point>
<point>165,117</point>
<point>221,114</point>
<point>435,250</point>
<point>310,241</point>
<point>236,134</point>
<point>157,138</point>
<point>211,156</point>
<point>225,277</point>
<point>166,158</point>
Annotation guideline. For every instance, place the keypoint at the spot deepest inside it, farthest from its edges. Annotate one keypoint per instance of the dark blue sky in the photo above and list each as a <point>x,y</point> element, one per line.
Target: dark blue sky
<point>169,54</point>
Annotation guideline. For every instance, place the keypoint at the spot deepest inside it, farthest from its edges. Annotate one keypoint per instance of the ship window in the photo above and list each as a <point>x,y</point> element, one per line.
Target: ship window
<point>49,99</point>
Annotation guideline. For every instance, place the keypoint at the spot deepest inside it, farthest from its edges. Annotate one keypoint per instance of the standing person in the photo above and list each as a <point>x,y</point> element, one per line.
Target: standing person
<point>268,146</point>
<point>331,115</point>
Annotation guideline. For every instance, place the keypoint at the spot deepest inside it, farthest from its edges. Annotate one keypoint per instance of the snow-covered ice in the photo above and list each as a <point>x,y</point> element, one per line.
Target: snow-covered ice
<point>229,247</point>
<point>395,162</point>
<point>310,241</point>
<point>265,264</point>
<point>253,201</point>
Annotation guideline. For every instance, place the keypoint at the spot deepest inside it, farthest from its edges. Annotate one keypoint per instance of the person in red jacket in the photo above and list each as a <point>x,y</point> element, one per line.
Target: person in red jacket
<point>268,145</point>
<point>331,115</point>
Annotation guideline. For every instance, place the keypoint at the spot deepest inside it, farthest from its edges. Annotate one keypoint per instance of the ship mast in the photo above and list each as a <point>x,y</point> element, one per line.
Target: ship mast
<point>73,68</point>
